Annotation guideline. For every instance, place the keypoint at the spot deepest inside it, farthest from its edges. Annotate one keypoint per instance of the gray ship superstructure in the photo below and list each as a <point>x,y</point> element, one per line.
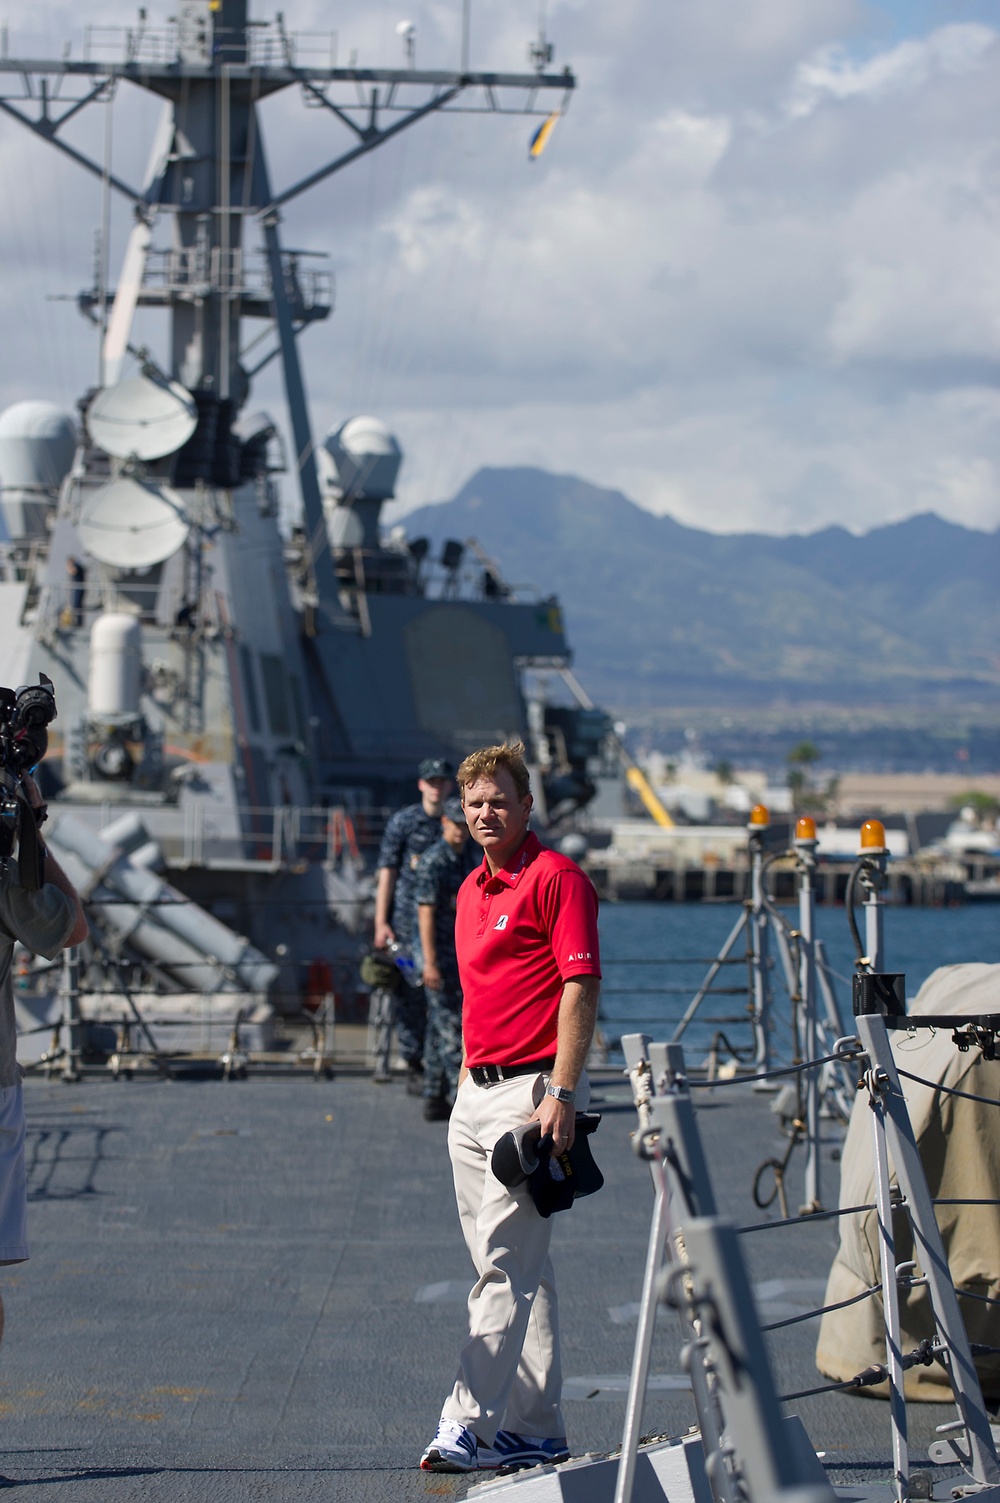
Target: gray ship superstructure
<point>245,697</point>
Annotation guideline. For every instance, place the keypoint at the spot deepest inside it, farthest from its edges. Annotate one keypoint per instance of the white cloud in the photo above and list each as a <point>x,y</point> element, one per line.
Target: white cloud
<point>832,73</point>
<point>726,462</point>
<point>687,147</point>
<point>921,281</point>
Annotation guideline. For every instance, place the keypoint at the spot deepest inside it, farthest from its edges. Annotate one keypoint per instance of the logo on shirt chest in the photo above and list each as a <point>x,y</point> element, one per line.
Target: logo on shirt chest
<point>501,922</point>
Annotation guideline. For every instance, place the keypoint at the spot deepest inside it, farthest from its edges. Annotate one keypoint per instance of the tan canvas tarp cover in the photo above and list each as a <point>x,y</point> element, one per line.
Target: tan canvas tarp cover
<point>959,1143</point>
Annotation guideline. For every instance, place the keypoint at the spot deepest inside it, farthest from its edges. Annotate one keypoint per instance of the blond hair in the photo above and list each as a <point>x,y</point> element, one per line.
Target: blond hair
<point>489,760</point>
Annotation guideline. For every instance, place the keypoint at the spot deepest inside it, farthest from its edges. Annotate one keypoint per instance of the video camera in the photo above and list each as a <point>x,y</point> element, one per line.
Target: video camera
<point>25,716</point>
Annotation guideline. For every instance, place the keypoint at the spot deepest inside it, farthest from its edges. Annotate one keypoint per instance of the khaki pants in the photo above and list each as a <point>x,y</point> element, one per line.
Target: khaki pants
<point>509,1371</point>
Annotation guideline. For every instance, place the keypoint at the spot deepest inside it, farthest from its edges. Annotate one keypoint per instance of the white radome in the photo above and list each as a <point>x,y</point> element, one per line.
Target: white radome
<point>37,445</point>
<point>367,458</point>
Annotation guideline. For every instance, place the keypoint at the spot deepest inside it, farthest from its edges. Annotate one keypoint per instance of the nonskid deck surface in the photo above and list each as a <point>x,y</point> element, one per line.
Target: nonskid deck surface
<point>256,1289</point>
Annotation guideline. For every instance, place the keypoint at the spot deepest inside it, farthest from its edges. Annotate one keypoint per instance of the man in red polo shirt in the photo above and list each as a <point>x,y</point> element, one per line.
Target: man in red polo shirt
<point>526,937</point>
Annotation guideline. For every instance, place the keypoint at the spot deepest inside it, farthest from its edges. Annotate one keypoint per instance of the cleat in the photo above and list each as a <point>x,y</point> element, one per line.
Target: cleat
<point>453,1449</point>
<point>513,1451</point>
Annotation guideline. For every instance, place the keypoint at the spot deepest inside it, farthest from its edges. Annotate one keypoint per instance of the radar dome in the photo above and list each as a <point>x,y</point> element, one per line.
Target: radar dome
<point>367,457</point>
<point>37,445</point>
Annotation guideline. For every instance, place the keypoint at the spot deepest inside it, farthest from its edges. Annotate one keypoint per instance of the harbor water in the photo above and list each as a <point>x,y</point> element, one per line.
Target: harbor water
<point>655,956</point>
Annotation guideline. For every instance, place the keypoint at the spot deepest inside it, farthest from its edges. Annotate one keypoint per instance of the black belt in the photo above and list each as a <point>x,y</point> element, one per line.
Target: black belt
<point>487,1075</point>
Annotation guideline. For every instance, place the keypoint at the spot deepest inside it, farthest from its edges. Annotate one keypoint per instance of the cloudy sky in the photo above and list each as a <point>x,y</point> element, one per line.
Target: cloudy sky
<point>753,282</point>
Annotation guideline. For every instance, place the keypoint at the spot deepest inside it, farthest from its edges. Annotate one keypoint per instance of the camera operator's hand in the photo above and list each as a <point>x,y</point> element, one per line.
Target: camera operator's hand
<point>31,791</point>
<point>53,871</point>
<point>34,797</point>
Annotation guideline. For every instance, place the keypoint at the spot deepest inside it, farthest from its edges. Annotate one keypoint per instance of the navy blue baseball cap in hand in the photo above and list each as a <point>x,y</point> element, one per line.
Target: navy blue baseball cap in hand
<point>554,1180</point>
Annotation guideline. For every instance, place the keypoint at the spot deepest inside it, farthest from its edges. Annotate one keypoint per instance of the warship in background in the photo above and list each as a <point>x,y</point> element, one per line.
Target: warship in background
<point>234,703</point>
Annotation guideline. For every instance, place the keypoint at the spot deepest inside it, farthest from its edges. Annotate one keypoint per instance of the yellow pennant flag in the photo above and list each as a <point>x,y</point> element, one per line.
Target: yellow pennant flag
<point>540,139</point>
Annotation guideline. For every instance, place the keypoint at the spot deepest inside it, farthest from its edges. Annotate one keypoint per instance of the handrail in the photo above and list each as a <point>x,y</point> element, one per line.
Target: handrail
<point>274,835</point>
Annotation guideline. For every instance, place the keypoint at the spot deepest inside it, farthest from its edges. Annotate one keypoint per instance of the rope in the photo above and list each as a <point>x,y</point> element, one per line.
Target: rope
<point>812,1064</point>
<point>676,960</point>
<point>935,1085</point>
<point>768,1226</point>
<point>968,1202</point>
<point>921,1356</point>
<point>794,1320</point>
<point>671,991</point>
<point>984,1299</point>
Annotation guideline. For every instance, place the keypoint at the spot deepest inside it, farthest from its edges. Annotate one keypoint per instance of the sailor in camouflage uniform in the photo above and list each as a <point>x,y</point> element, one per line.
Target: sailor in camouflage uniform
<point>408,834</point>
<point>440,873</point>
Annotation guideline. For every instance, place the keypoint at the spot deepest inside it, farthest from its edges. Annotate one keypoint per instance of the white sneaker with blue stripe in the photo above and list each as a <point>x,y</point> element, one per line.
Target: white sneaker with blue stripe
<point>512,1450</point>
<point>453,1449</point>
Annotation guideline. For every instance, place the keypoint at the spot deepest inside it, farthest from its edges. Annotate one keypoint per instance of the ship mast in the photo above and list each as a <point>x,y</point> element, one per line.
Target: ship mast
<point>213,67</point>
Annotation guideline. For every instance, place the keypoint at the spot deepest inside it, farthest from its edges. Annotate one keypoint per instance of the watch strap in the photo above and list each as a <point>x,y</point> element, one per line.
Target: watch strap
<point>561,1093</point>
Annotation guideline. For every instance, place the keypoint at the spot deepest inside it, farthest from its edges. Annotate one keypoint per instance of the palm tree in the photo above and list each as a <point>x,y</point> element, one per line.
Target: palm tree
<point>800,761</point>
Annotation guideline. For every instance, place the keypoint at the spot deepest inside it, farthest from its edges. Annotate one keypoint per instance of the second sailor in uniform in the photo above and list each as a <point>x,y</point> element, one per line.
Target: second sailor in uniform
<point>440,873</point>
<point>408,834</point>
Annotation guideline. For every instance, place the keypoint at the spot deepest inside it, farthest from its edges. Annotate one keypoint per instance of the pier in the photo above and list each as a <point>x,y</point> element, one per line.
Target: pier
<point>909,883</point>
<point>639,862</point>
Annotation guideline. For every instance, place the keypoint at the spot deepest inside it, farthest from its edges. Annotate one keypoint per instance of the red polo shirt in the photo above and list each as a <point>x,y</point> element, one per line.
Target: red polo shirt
<point>519,936</point>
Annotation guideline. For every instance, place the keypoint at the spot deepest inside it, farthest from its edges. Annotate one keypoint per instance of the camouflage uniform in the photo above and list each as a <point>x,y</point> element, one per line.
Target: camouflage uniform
<point>440,873</point>
<point>407,835</point>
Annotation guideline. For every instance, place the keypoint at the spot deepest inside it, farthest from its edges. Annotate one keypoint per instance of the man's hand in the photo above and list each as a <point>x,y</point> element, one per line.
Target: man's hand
<point>577,1018</point>
<point>432,976</point>
<point>55,874</point>
<point>385,888</point>
<point>558,1118</point>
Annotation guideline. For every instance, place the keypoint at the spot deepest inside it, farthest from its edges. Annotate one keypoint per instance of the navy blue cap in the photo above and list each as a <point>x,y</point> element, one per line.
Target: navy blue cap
<point>554,1180</point>
<point>436,767</point>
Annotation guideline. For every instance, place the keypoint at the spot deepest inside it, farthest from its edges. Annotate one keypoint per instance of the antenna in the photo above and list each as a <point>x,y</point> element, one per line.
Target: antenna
<point>131,524</point>
<point>541,52</point>
<point>408,31</point>
<point>206,314</point>
<point>105,255</point>
<point>142,418</point>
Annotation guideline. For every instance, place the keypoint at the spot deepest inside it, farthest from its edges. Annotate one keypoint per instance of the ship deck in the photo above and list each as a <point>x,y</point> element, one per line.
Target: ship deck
<point>255,1289</point>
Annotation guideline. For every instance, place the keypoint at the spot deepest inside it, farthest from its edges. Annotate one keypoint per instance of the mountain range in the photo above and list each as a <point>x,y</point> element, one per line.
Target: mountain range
<point>658,610</point>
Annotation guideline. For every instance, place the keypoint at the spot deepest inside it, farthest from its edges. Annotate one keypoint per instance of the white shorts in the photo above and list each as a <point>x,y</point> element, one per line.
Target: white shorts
<point>13,1184</point>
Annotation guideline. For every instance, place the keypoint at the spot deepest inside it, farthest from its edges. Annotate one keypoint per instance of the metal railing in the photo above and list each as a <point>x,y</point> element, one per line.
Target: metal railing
<point>273,835</point>
<point>262,45</point>
<point>211,268</point>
